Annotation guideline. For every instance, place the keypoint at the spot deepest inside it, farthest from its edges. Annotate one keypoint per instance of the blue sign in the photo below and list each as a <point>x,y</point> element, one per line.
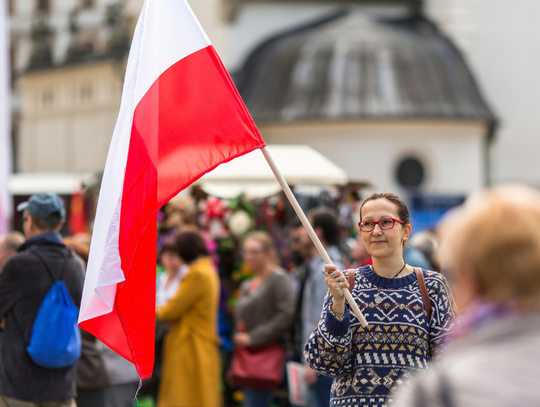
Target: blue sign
<point>427,210</point>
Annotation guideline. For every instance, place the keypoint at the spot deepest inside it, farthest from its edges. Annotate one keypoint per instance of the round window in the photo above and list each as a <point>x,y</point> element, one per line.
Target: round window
<point>410,172</point>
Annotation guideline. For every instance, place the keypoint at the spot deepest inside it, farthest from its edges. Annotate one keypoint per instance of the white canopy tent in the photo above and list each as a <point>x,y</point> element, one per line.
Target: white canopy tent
<point>41,183</point>
<point>250,174</point>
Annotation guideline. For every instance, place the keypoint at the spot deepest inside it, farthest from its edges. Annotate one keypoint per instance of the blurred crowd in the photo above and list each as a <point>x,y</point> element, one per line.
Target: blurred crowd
<point>237,281</point>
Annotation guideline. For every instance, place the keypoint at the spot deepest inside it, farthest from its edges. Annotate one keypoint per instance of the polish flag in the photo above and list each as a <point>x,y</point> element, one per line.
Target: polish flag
<point>180,117</point>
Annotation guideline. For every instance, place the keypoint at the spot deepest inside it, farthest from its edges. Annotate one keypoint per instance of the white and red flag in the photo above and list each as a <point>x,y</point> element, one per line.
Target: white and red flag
<point>179,118</point>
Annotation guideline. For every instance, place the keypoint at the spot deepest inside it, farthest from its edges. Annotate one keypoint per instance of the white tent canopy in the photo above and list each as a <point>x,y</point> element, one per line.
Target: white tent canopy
<point>41,183</point>
<point>250,174</point>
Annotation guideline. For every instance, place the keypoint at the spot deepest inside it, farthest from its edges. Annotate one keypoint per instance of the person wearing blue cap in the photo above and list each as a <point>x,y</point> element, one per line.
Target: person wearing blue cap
<point>24,282</point>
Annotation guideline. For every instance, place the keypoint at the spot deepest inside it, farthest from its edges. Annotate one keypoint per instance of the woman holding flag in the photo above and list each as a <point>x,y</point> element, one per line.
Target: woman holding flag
<point>409,312</point>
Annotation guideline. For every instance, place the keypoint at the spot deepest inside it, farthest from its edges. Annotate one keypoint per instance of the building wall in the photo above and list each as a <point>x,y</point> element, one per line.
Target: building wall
<point>255,23</point>
<point>91,22</point>
<point>72,132</point>
<point>452,153</point>
<point>500,40</point>
<point>68,116</point>
<point>235,35</point>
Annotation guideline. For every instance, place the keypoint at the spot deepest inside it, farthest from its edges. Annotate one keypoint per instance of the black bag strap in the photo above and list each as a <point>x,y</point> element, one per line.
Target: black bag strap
<point>68,255</point>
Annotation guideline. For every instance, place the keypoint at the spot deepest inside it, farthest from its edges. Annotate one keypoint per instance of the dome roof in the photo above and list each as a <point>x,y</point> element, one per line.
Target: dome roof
<point>354,66</point>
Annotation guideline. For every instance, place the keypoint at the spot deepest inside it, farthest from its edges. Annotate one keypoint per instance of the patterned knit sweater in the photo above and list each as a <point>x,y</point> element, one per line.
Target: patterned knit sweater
<point>369,364</point>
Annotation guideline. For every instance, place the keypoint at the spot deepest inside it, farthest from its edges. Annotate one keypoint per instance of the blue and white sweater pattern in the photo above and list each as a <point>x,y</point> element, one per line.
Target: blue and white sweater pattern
<point>369,364</point>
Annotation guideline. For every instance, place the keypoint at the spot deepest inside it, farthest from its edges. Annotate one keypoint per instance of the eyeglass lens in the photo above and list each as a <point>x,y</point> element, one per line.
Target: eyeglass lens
<point>384,224</point>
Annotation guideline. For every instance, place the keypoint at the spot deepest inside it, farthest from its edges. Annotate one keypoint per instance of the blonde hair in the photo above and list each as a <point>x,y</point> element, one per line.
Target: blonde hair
<point>266,242</point>
<point>12,241</point>
<point>497,234</point>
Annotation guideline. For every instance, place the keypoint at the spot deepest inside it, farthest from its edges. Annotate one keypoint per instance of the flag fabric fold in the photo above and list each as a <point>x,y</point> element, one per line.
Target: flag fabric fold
<point>180,117</point>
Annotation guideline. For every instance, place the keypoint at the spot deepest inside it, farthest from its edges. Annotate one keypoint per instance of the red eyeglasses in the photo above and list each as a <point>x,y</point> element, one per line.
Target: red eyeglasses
<point>384,224</point>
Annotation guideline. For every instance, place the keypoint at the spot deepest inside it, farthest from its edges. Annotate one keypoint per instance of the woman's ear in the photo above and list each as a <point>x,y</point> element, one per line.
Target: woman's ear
<point>406,232</point>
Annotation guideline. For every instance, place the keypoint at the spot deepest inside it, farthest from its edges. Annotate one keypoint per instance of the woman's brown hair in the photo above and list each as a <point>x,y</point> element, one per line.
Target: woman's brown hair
<point>190,246</point>
<point>403,212</point>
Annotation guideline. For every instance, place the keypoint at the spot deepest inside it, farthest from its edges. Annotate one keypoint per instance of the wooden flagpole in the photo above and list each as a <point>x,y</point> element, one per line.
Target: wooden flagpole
<point>311,232</point>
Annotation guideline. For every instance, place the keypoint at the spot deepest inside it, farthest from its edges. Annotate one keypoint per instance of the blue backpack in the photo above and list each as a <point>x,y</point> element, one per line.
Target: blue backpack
<point>55,341</point>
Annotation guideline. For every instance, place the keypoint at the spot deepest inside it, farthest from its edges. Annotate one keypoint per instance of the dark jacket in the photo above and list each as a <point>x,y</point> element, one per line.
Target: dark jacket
<point>24,282</point>
<point>91,370</point>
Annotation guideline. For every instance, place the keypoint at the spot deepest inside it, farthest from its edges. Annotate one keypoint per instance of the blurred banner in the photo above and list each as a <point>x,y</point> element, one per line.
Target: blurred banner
<point>77,214</point>
<point>6,201</point>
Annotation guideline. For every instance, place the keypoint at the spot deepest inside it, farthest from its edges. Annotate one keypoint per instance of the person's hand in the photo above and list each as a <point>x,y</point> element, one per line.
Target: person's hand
<point>336,281</point>
<point>310,376</point>
<point>241,340</point>
<point>3,323</point>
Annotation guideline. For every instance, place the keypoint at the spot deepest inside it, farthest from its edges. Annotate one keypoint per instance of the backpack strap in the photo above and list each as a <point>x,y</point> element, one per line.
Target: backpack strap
<point>47,266</point>
<point>423,291</point>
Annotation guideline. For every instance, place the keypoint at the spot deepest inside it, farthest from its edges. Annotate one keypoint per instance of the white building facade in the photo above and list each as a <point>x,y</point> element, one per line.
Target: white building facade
<point>74,102</point>
<point>500,40</point>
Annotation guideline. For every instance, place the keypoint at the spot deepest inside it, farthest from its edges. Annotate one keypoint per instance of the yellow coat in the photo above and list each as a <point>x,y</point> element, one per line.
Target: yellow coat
<point>191,362</point>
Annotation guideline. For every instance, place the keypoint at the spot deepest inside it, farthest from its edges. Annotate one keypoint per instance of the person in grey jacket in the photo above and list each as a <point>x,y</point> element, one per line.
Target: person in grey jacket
<point>490,250</point>
<point>265,309</point>
<point>313,290</point>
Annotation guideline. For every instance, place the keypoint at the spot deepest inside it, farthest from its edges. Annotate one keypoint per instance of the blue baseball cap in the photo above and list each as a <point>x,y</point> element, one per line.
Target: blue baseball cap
<point>43,206</point>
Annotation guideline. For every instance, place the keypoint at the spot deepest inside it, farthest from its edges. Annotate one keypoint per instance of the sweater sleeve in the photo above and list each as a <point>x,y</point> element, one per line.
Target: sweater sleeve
<point>284,299</point>
<point>329,348</point>
<point>444,310</point>
<point>191,290</point>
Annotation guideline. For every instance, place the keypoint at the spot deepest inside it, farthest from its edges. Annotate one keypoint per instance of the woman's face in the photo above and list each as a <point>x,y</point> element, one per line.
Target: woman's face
<point>383,243</point>
<point>254,255</point>
<point>171,262</point>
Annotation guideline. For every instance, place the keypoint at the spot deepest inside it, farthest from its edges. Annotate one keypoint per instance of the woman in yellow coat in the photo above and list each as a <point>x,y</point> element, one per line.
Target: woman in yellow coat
<point>191,363</point>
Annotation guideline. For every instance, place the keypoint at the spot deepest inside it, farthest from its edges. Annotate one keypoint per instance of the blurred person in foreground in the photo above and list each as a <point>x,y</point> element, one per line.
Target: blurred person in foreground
<point>370,364</point>
<point>490,248</point>
<point>313,290</point>
<point>191,363</point>
<point>9,244</point>
<point>24,283</point>
<point>265,309</point>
